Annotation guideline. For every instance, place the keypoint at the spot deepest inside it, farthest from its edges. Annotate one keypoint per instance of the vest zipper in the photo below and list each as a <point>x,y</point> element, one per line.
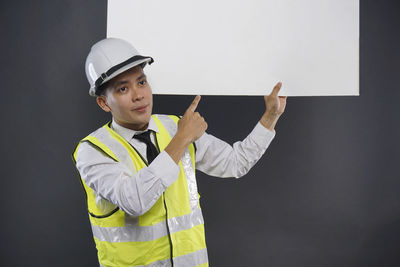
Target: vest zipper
<point>165,204</point>
<point>169,233</point>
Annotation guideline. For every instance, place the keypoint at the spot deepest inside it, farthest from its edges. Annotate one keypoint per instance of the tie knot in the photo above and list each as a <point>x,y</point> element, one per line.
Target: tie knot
<point>151,150</point>
<point>144,137</point>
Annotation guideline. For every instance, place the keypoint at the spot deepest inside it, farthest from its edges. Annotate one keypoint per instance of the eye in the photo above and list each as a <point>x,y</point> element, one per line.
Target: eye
<point>123,89</point>
<point>142,82</point>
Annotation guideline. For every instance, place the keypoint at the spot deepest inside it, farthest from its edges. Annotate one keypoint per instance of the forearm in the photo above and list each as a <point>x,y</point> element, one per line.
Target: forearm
<point>217,158</point>
<point>137,193</point>
<point>134,193</point>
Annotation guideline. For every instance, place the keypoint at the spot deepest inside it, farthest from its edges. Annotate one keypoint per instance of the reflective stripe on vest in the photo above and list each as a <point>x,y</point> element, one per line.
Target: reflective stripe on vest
<point>124,240</point>
<point>198,258</point>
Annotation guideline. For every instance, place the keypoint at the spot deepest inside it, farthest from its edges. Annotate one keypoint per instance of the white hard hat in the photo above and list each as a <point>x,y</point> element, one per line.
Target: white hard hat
<point>108,58</point>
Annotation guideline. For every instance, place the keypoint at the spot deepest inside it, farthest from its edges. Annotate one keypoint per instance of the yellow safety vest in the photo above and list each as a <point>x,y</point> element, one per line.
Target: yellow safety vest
<point>171,233</point>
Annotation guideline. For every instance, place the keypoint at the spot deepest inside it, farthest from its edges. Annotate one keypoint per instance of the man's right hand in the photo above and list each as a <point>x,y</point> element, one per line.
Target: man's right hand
<point>190,128</point>
<point>192,125</point>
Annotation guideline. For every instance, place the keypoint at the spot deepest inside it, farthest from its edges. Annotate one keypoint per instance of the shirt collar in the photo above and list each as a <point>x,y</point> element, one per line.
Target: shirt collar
<point>127,134</point>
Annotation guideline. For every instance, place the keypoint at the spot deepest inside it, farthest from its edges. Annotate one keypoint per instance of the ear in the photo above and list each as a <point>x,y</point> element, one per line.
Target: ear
<point>102,102</point>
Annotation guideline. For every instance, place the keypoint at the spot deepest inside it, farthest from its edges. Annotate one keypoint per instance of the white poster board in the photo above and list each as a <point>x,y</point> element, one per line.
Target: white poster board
<point>236,47</point>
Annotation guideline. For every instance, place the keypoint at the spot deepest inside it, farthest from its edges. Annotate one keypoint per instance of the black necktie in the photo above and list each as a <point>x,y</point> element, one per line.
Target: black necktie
<point>151,150</point>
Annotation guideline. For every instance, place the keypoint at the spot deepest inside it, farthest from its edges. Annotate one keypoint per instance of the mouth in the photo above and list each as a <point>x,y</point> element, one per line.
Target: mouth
<point>140,109</point>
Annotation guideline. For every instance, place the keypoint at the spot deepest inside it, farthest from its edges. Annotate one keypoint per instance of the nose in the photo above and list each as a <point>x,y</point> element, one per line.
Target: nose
<point>136,95</point>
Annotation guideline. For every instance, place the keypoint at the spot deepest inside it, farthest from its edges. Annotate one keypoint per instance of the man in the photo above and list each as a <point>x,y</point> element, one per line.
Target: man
<point>138,171</point>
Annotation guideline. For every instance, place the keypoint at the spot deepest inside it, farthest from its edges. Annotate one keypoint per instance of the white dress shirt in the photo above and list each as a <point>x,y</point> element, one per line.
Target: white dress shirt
<point>135,194</point>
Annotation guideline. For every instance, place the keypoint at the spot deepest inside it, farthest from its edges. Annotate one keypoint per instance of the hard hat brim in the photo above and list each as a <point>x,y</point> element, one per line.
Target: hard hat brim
<point>118,69</point>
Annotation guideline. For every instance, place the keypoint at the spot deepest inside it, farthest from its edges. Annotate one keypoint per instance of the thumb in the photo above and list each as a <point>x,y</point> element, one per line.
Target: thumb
<point>276,89</point>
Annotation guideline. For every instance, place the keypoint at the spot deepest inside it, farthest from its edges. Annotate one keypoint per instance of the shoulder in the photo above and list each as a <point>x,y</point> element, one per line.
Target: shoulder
<point>89,147</point>
<point>85,150</point>
<point>88,156</point>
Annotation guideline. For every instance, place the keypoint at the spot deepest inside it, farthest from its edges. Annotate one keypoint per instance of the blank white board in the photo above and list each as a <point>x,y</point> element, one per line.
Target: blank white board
<point>232,47</point>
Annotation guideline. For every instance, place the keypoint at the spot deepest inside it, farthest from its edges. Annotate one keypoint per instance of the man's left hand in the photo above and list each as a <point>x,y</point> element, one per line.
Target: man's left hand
<point>274,108</point>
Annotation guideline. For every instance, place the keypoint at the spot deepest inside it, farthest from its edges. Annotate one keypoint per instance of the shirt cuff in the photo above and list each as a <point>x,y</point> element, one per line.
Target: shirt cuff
<point>164,167</point>
<point>263,132</point>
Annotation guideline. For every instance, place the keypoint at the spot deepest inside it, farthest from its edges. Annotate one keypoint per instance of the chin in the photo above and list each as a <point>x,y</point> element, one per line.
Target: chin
<point>143,122</point>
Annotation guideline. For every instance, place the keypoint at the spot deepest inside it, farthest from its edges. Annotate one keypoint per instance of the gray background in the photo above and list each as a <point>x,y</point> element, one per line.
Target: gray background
<point>325,193</point>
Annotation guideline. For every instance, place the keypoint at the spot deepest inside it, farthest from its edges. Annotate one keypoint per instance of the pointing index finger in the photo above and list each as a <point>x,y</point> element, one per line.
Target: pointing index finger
<point>194,104</point>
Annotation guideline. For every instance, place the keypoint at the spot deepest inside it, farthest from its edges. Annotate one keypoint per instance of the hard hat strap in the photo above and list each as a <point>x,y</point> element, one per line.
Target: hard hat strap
<point>106,74</point>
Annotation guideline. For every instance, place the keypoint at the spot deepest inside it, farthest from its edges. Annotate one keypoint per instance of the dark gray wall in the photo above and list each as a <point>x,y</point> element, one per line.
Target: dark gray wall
<point>325,194</point>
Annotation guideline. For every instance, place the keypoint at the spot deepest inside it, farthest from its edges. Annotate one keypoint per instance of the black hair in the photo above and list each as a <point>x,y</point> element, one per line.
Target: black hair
<point>101,90</point>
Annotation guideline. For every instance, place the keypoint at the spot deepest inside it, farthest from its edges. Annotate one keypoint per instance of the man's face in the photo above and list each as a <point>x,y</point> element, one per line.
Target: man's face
<point>129,99</point>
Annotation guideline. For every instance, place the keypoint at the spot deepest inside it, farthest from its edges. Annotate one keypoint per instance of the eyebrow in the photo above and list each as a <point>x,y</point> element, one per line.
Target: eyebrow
<point>141,77</point>
<point>118,83</point>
